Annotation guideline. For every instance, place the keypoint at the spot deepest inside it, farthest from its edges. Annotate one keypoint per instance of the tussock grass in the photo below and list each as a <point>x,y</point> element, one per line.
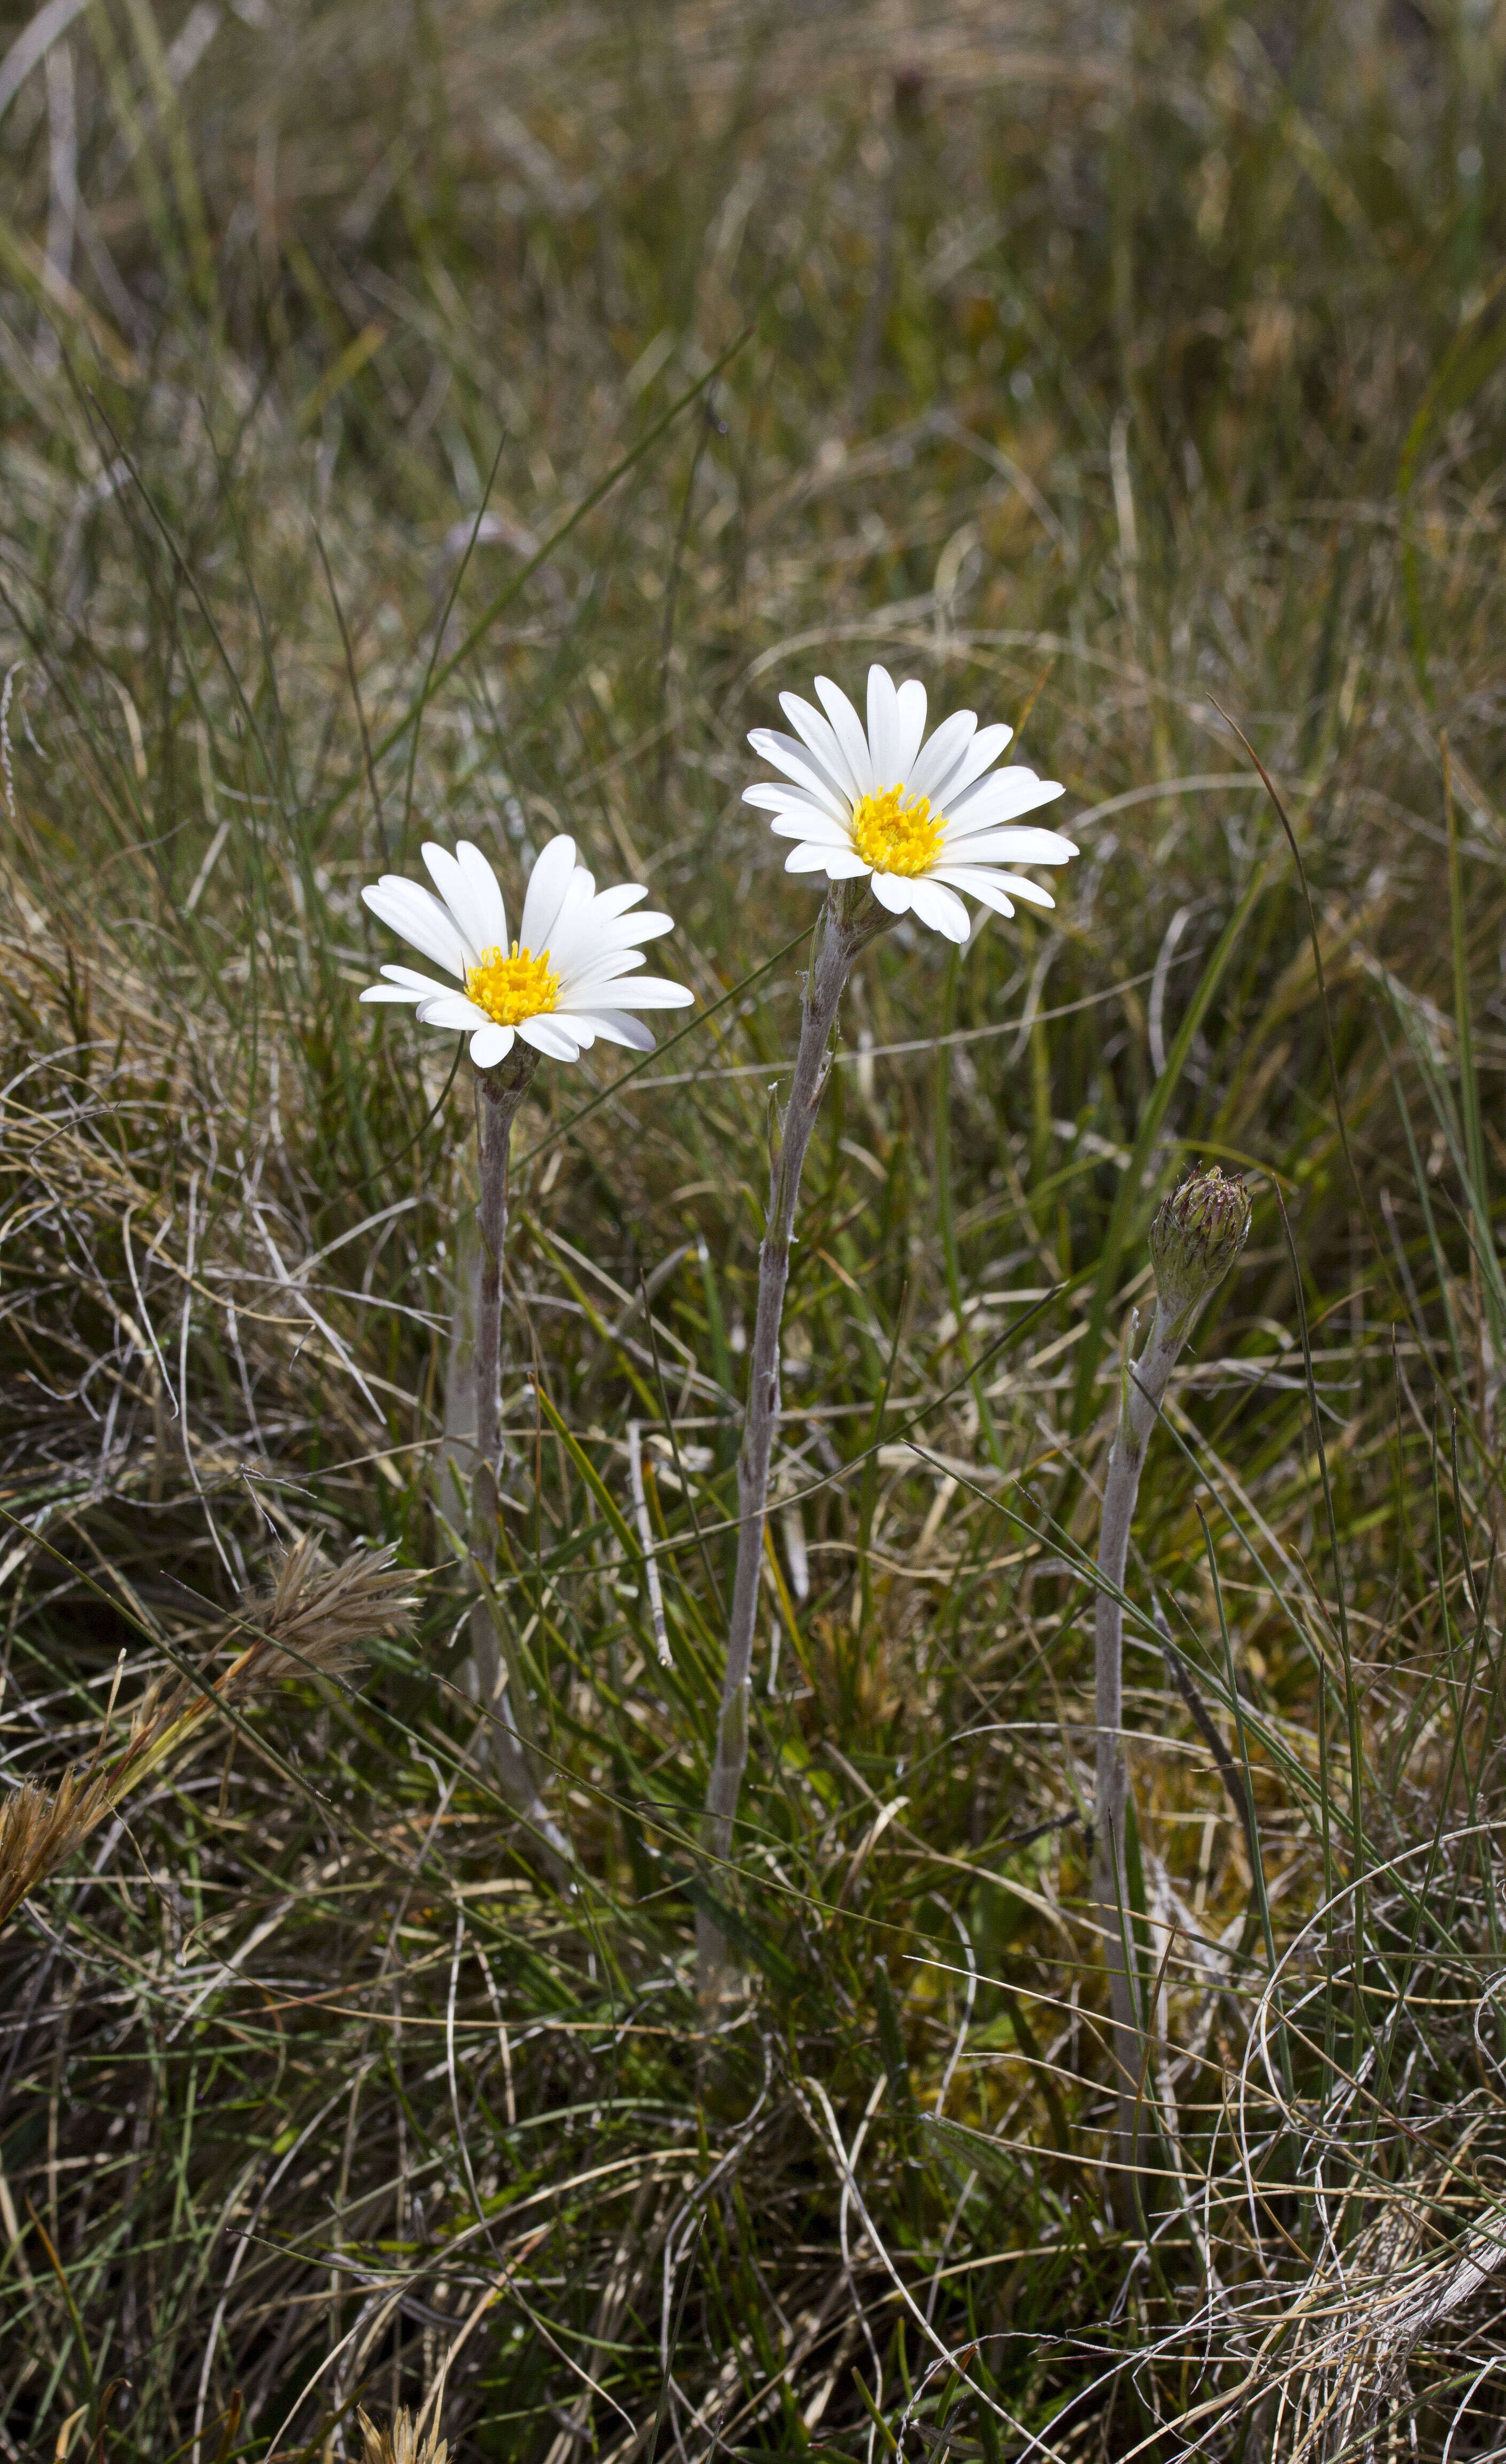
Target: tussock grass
<point>365,477</point>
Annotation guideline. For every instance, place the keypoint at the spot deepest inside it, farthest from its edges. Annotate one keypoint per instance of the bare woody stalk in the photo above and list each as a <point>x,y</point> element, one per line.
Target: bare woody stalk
<point>499,1094</point>
<point>1198,1233</point>
<point>848,922</point>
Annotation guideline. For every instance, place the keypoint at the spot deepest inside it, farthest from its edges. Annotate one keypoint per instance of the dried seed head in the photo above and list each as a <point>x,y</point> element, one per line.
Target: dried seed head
<point>399,2444</point>
<point>1198,1233</point>
<point>319,1618</point>
<point>38,1831</point>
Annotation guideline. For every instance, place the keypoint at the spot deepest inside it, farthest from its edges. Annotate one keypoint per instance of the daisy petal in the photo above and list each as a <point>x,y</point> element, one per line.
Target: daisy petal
<point>575,927</point>
<point>810,856</point>
<point>421,920</point>
<point>994,848</point>
<point>579,940</point>
<point>848,729</point>
<point>981,753</point>
<point>823,740</point>
<point>799,763</point>
<point>1009,845</point>
<point>619,1026</point>
<point>585,1024</point>
<point>843,863</point>
<point>1017,886</point>
<point>978,884</point>
<point>778,796</point>
<point>967,876</point>
<point>451,1009</point>
<point>632,992</point>
<point>818,828</point>
<point>1000,798</point>
<point>548,882</point>
<point>617,901</point>
<point>894,891</point>
<point>491,1044</point>
<point>413,982</point>
<point>941,909</point>
<point>910,705</point>
<point>601,958</point>
<point>933,767</point>
<point>885,735</point>
<point>485,895</point>
<point>445,872</point>
<point>556,1041</point>
<point>391,993</point>
<point>589,935</point>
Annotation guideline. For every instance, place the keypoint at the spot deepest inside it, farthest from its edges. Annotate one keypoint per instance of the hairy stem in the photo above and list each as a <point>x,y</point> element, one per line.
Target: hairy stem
<point>1139,1401</point>
<point>849,922</point>
<point>499,1094</point>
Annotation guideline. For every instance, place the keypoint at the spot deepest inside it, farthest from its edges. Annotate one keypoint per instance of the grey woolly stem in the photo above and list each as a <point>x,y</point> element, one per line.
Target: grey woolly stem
<point>499,1094</point>
<point>845,929</point>
<point>1139,1403</point>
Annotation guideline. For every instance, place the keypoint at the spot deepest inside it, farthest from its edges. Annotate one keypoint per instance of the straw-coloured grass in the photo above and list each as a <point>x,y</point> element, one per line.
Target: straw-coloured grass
<point>316,1621</point>
<point>366,478</point>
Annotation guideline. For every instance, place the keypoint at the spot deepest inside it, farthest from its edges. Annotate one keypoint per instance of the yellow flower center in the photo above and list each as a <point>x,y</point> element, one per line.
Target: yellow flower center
<point>896,837</point>
<point>511,988</point>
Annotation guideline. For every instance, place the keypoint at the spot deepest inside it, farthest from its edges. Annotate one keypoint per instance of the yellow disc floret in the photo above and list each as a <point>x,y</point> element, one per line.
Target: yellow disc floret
<point>896,837</point>
<point>511,988</point>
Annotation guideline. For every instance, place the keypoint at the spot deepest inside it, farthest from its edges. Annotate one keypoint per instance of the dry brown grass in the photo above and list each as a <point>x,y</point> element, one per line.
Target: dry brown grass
<point>1097,361</point>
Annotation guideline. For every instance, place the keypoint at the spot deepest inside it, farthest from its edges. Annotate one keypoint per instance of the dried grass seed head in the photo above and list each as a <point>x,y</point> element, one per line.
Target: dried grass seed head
<point>38,1832</point>
<point>319,1618</point>
<point>399,2442</point>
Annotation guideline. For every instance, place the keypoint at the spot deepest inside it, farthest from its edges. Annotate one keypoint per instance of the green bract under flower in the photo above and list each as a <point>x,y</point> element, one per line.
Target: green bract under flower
<point>1197,1234</point>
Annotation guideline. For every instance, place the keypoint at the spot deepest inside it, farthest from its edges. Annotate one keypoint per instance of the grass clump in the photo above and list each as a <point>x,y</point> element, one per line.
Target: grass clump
<point>462,424</point>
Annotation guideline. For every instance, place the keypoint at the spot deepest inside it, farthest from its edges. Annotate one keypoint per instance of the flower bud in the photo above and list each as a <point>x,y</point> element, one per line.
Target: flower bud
<point>1197,1234</point>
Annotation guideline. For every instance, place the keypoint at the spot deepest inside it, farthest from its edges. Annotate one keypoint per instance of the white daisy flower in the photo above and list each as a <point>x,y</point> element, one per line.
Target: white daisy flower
<point>581,985</point>
<point>923,821</point>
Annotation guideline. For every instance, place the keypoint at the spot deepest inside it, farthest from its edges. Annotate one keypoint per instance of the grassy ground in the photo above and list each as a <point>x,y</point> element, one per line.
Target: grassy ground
<point>463,419</point>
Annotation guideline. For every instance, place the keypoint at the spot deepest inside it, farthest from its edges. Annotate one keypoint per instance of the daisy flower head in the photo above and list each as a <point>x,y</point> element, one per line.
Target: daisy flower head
<point>924,819</point>
<point>569,976</point>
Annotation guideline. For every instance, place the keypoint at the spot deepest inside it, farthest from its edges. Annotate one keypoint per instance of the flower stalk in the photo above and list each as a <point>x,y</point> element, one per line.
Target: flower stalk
<point>900,824</point>
<point>567,982</point>
<point>499,1094</point>
<point>848,922</point>
<point>1197,1234</point>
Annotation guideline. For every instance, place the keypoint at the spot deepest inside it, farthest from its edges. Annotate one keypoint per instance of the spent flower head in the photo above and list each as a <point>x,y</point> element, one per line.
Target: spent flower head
<point>1198,1232</point>
<point>566,979</point>
<point>923,819</point>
